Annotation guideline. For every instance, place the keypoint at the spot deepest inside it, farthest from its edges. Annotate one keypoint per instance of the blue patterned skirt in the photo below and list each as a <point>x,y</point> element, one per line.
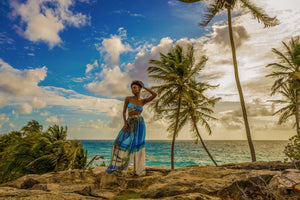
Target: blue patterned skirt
<point>128,146</point>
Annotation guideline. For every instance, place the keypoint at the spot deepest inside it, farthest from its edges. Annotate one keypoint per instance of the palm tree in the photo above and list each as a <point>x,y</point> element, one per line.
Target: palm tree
<point>174,71</point>
<point>290,100</point>
<point>32,151</point>
<point>58,133</point>
<point>213,9</point>
<point>288,74</point>
<point>32,127</point>
<point>197,110</point>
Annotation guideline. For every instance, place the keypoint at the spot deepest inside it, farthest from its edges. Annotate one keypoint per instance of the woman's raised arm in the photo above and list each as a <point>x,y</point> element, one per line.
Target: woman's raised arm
<point>148,99</point>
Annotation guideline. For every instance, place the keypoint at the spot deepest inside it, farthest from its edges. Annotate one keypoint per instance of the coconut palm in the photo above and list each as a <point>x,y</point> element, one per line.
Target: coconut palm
<point>197,110</point>
<point>287,72</point>
<point>289,100</point>
<point>174,71</point>
<point>32,127</point>
<point>213,9</point>
<point>58,133</point>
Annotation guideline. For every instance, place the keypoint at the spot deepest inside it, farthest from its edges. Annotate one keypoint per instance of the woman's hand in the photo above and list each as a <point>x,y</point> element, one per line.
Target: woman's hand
<point>142,84</point>
<point>125,129</point>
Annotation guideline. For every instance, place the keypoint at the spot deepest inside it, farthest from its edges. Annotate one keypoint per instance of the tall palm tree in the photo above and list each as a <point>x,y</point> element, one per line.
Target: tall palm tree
<point>174,71</point>
<point>287,72</point>
<point>213,9</point>
<point>196,110</point>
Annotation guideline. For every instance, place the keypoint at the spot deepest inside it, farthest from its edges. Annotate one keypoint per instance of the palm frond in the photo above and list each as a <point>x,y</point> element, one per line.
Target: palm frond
<point>278,66</point>
<point>283,57</point>
<point>259,14</point>
<point>211,12</point>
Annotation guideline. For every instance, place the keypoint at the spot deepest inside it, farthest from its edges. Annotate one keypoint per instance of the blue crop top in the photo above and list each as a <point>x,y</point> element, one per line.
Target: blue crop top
<point>132,107</point>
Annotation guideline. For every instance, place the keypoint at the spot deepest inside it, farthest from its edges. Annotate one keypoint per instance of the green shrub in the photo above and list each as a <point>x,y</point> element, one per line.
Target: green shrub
<point>31,151</point>
<point>292,150</point>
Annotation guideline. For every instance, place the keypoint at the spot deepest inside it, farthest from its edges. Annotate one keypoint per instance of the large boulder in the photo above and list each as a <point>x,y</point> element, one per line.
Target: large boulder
<point>284,182</point>
<point>75,176</point>
<point>260,165</point>
<point>7,193</point>
<point>209,180</point>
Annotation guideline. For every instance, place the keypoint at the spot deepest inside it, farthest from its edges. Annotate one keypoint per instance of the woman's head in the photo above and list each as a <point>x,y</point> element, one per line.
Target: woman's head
<point>135,86</point>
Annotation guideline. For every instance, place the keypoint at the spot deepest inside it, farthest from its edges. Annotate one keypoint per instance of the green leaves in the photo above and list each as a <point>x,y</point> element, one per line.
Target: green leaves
<point>211,12</point>
<point>287,83</point>
<point>216,6</point>
<point>34,151</point>
<point>292,149</point>
<point>259,14</point>
<point>175,72</point>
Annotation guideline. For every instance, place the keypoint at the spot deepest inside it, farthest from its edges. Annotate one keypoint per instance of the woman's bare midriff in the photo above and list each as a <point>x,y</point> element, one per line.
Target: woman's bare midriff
<point>135,112</point>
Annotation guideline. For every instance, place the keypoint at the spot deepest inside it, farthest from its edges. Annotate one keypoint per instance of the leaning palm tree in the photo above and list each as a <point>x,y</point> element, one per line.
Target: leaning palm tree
<point>287,72</point>
<point>173,71</point>
<point>213,9</point>
<point>197,109</point>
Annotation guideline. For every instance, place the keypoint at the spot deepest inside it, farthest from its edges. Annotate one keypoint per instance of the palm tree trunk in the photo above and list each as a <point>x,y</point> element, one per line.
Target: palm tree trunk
<point>297,113</point>
<point>202,142</point>
<point>175,131</point>
<point>238,84</point>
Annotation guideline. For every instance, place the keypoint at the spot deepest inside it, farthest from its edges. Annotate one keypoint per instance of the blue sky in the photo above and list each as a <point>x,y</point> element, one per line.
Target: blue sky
<point>71,62</point>
<point>144,21</point>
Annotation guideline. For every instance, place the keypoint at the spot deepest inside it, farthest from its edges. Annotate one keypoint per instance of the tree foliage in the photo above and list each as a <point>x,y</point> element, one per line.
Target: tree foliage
<point>31,151</point>
<point>292,149</point>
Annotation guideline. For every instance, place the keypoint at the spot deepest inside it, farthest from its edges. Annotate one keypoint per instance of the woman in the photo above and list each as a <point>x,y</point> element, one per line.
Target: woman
<point>130,142</point>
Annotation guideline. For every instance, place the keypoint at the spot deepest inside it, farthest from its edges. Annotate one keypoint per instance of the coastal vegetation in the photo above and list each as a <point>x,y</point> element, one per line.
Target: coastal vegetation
<point>287,83</point>
<point>215,7</point>
<point>195,111</point>
<point>32,151</point>
<point>178,92</point>
<point>292,150</point>
<point>198,110</point>
<point>286,71</point>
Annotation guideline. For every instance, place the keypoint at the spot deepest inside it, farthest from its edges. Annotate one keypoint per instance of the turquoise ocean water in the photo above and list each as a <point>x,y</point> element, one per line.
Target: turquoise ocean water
<point>158,152</point>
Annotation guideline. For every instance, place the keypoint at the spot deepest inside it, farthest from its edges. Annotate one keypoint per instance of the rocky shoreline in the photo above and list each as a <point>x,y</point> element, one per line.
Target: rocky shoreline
<point>258,180</point>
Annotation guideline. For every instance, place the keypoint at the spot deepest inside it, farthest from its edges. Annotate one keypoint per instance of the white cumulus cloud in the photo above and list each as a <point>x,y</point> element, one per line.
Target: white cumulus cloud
<point>38,103</point>
<point>45,19</point>
<point>114,83</point>
<point>54,120</point>
<point>114,46</point>
<point>25,81</point>
<point>25,108</point>
<point>45,114</point>
<point>90,67</point>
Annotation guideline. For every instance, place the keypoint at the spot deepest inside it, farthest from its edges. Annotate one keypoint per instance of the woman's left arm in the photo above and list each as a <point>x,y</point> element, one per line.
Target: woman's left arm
<point>149,98</point>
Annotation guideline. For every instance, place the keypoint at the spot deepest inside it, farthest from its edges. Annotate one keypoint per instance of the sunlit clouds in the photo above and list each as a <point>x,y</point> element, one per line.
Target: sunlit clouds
<point>41,22</point>
<point>87,92</point>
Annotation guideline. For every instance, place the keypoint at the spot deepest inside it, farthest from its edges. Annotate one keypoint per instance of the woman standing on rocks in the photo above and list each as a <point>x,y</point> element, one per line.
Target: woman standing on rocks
<point>130,142</point>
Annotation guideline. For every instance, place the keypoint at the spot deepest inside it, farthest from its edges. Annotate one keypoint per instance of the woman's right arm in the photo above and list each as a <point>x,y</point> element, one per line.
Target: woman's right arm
<point>124,113</point>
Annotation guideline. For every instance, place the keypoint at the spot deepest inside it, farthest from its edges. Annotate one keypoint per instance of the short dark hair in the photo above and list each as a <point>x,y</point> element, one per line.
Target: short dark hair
<point>135,82</point>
